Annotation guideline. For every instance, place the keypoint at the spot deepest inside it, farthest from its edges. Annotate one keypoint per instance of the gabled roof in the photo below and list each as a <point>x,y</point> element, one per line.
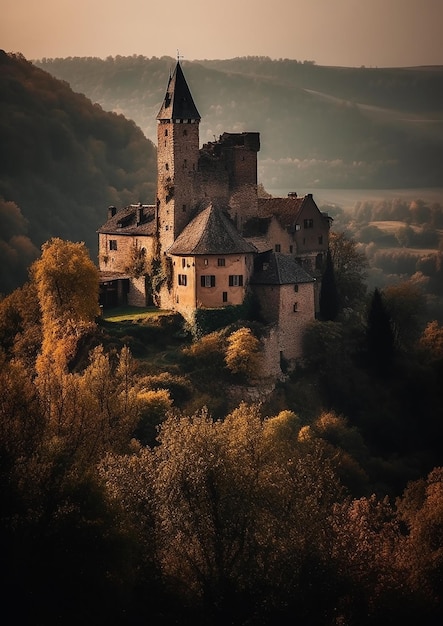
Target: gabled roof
<point>286,210</point>
<point>279,269</point>
<point>210,232</point>
<point>134,219</point>
<point>178,102</point>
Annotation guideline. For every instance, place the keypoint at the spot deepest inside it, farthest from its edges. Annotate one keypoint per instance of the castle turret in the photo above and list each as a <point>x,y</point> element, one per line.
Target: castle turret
<point>177,158</point>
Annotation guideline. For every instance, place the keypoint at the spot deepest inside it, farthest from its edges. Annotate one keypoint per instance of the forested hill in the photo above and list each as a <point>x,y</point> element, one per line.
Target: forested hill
<point>63,161</point>
<point>320,126</point>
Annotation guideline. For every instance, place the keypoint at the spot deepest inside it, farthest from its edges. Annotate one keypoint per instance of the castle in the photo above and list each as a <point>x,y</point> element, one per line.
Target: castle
<point>210,239</point>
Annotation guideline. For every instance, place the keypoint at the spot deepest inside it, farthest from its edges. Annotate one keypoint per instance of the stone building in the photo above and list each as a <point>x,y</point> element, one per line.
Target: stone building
<point>210,239</point>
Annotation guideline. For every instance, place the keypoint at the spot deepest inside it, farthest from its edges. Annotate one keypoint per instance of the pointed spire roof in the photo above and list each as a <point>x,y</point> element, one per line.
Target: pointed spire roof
<point>210,232</point>
<point>178,102</point>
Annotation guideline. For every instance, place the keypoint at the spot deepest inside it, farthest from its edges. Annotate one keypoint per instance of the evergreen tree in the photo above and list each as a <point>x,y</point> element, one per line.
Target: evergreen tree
<point>379,335</point>
<point>329,298</point>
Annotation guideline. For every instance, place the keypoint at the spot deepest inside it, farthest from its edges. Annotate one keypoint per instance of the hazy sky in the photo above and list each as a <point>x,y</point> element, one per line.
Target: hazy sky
<point>330,32</point>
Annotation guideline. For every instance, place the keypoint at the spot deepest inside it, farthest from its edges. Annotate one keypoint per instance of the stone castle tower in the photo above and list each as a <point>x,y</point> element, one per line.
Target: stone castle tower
<point>177,159</point>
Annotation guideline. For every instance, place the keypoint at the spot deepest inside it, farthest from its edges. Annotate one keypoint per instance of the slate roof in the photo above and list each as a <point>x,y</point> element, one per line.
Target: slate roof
<point>210,232</point>
<point>126,221</point>
<point>280,269</point>
<point>178,102</point>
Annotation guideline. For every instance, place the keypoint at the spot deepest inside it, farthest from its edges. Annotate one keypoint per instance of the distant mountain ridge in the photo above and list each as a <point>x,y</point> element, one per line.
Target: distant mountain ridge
<point>320,126</point>
<point>63,161</point>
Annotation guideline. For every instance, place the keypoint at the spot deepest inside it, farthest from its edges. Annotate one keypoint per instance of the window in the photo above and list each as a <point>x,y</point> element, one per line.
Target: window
<point>277,247</point>
<point>183,262</point>
<point>236,280</point>
<point>225,296</point>
<point>295,288</point>
<point>320,240</point>
<point>113,244</point>
<point>208,280</point>
<point>206,261</point>
<point>295,307</point>
<point>308,223</point>
<point>182,279</point>
<point>184,208</point>
<point>167,166</point>
<point>166,132</point>
<point>221,262</point>
<point>291,249</point>
<point>185,132</point>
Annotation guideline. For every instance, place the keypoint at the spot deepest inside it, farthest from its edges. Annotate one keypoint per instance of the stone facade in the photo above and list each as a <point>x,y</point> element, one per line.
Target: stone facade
<point>210,240</point>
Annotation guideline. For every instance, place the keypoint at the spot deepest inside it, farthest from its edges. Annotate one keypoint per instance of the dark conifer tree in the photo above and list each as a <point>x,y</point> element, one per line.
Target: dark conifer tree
<point>379,335</point>
<point>329,298</point>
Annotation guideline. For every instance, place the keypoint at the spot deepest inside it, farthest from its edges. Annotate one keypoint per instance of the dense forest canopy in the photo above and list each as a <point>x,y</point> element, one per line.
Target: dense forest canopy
<point>320,126</point>
<point>137,488</point>
<point>63,161</point>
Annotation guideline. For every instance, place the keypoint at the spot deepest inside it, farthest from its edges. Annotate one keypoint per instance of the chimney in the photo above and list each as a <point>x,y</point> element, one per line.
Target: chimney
<point>292,194</point>
<point>139,214</point>
<point>112,210</point>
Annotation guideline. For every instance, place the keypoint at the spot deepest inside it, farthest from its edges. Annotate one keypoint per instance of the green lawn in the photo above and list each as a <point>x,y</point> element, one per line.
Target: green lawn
<point>131,313</point>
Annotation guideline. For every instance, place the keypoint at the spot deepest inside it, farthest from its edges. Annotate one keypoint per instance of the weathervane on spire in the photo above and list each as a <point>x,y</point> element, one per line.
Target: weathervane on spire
<point>179,56</point>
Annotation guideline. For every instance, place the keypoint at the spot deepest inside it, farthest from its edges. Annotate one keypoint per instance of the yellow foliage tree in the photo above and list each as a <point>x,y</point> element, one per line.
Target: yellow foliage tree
<point>243,353</point>
<point>67,286</point>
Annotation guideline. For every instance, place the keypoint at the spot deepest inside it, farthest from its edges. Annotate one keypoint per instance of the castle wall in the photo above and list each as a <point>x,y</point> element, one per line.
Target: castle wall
<point>312,234</point>
<point>222,293</point>
<point>137,292</point>
<point>279,236</point>
<point>118,260</point>
<point>290,310</point>
<point>296,310</point>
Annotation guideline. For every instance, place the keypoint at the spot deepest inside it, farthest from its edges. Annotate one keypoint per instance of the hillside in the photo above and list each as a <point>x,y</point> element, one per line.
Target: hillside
<point>320,126</point>
<point>63,161</point>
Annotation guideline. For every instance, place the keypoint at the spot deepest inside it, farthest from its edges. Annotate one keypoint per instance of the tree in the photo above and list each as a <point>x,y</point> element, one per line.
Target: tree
<point>349,269</point>
<point>432,340</point>
<point>379,335</point>
<point>406,305</point>
<point>67,285</point>
<point>243,353</point>
<point>329,298</point>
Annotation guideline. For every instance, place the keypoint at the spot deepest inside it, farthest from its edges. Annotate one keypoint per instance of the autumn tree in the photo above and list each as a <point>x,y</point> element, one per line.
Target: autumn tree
<point>67,286</point>
<point>243,353</point>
